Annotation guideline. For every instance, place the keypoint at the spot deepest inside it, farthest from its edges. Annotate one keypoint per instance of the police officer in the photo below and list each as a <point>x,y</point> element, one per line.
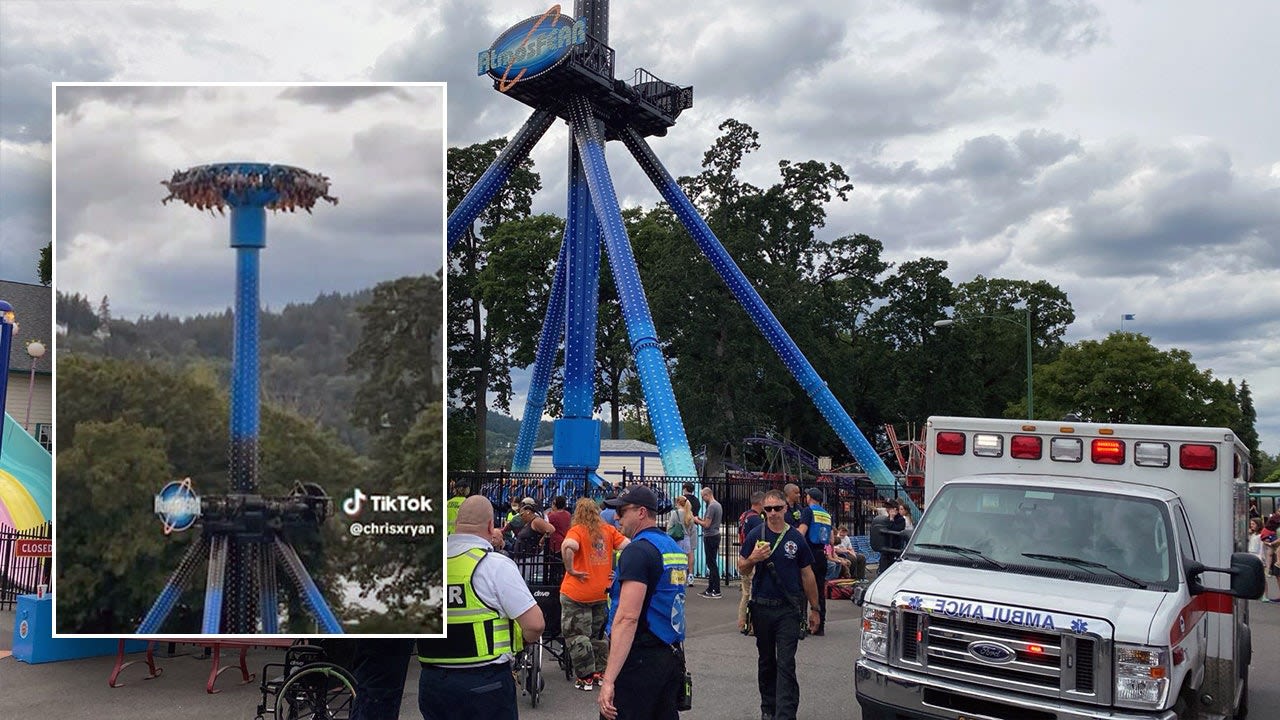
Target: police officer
<point>491,613</point>
<point>780,557</point>
<point>645,671</point>
<point>817,531</point>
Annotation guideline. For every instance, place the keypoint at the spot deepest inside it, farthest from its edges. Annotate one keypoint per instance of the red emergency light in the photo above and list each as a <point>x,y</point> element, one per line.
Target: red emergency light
<point>950,443</point>
<point>1107,452</point>
<point>1026,447</point>
<point>1198,457</point>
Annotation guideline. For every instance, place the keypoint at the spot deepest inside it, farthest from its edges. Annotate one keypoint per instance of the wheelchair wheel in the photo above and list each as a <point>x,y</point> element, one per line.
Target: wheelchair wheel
<point>533,682</point>
<point>317,691</point>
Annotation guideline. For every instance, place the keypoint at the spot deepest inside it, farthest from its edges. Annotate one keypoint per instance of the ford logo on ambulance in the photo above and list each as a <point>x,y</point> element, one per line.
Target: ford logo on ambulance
<point>992,652</point>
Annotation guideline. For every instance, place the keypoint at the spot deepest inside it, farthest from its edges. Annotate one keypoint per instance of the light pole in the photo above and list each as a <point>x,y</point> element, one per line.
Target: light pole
<point>35,349</point>
<point>1025,321</point>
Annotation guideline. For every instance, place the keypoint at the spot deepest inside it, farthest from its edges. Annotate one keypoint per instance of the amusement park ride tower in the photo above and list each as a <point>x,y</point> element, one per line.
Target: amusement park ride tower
<point>243,532</point>
<point>563,67</point>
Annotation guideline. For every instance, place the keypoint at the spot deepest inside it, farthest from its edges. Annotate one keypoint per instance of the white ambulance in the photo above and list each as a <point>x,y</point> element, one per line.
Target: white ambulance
<point>1067,570</point>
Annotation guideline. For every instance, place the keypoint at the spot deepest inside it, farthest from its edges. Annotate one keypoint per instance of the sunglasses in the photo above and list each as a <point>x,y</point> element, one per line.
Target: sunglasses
<point>774,508</point>
<point>624,509</point>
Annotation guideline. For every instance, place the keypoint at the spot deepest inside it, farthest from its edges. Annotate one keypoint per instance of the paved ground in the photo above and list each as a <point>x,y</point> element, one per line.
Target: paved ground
<point>721,660</point>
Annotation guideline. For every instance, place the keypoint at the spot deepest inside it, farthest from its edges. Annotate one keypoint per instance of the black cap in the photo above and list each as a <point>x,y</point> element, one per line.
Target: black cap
<point>637,495</point>
<point>814,493</point>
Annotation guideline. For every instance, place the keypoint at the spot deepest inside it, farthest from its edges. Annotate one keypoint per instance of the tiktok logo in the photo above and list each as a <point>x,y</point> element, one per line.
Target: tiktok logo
<point>351,505</point>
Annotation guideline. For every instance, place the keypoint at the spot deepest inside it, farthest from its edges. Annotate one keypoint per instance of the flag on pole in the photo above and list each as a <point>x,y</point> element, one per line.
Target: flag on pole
<point>1127,317</point>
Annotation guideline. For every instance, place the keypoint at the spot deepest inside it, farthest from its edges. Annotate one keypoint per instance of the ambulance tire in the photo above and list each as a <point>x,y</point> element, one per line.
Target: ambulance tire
<point>1242,711</point>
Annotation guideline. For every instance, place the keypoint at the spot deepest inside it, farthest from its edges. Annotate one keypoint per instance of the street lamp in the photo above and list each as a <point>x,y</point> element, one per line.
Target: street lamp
<point>1026,321</point>
<point>36,350</point>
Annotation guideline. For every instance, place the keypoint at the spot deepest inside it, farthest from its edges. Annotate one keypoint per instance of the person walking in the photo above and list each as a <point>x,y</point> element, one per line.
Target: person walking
<point>817,532</point>
<point>684,519</point>
<point>710,522</point>
<point>644,675</point>
<point>783,580</point>
<point>588,550</point>
<point>491,614</point>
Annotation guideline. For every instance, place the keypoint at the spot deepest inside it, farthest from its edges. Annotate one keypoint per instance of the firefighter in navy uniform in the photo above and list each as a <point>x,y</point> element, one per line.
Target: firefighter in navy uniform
<point>645,672</point>
<point>817,531</point>
<point>491,614</point>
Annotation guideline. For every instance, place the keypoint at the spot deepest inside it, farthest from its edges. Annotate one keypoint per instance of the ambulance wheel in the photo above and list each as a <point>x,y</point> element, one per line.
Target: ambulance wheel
<point>1242,711</point>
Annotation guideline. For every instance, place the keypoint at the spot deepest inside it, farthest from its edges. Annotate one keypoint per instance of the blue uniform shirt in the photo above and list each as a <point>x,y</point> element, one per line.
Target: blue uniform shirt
<point>790,555</point>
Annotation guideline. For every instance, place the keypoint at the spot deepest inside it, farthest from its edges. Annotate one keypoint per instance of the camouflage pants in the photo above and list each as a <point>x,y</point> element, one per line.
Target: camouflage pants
<point>582,627</point>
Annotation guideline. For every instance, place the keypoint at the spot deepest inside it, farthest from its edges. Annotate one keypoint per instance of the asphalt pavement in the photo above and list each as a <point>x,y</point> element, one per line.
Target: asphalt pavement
<point>721,660</point>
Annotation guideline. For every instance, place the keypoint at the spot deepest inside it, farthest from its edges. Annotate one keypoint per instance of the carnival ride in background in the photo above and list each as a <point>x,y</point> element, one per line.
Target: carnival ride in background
<point>243,533</point>
<point>563,67</point>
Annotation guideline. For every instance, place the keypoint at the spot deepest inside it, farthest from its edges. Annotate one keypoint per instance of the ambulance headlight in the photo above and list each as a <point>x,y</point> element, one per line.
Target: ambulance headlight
<point>1142,676</point>
<point>875,632</point>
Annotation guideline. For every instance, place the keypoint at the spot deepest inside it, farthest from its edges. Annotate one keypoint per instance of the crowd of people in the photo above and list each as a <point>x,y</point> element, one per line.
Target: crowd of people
<point>1264,541</point>
<point>625,565</point>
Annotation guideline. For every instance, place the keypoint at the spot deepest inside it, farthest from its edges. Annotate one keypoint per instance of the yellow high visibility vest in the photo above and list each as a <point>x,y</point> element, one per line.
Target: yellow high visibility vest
<point>476,632</point>
<point>451,510</point>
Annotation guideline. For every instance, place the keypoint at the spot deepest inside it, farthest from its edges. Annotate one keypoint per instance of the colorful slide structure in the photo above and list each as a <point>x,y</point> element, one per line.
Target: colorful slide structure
<point>26,479</point>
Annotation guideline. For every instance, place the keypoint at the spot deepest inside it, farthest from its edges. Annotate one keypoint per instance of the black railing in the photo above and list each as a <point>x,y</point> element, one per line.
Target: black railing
<point>595,56</point>
<point>19,575</point>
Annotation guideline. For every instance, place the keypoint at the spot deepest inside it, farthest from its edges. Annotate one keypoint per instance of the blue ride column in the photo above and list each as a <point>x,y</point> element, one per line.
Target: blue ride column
<point>764,319</point>
<point>543,363</point>
<point>483,192</point>
<point>576,447</point>
<point>664,415</point>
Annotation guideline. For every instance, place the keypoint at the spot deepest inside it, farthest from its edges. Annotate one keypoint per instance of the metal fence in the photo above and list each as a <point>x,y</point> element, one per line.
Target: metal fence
<point>20,574</point>
<point>851,502</point>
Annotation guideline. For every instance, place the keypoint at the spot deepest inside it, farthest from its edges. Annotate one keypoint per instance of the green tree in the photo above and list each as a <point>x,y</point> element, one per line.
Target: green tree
<point>399,353</point>
<point>476,363</point>
<point>1125,379</point>
<point>45,266</point>
<point>404,573</point>
<point>125,429</point>
<point>1248,430</point>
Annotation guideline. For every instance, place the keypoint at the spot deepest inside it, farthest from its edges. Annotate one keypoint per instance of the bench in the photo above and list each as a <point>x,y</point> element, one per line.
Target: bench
<point>214,644</point>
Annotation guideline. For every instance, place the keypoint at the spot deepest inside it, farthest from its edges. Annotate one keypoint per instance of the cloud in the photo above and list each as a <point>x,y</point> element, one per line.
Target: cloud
<point>337,97</point>
<point>1064,27</point>
<point>29,63</point>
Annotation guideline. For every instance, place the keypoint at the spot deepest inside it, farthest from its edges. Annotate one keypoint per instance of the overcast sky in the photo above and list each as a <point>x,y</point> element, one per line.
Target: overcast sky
<point>1125,151</point>
<point>380,146</point>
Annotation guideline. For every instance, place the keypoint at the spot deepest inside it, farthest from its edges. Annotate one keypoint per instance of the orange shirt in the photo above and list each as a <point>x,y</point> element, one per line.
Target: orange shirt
<point>594,559</point>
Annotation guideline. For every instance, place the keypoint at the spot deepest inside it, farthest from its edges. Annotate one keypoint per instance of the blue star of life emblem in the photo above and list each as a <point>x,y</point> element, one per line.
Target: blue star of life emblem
<point>914,602</point>
<point>1079,626</point>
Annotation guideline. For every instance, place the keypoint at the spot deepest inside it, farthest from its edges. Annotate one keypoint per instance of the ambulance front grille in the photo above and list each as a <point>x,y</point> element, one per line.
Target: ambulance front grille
<point>1043,663</point>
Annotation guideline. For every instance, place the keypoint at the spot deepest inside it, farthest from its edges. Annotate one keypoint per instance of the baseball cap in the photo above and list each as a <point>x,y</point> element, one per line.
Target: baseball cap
<point>637,495</point>
<point>814,493</point>
<point>529,503</point>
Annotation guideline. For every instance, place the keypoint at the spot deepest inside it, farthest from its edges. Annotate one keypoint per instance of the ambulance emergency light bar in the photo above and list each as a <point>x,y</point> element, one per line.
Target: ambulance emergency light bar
<point>1102,451</point>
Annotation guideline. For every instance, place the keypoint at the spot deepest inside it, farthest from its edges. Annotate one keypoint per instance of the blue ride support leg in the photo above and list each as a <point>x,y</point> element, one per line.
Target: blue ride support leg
<point>664,415</point>
<point>483,192</point>
<point>311,597</point>
<point>764,319</point>
<point>543,364</point>
<point>160,609</point>
<point>215,585</point>
<point>576,448</point>
<point>268,590</point>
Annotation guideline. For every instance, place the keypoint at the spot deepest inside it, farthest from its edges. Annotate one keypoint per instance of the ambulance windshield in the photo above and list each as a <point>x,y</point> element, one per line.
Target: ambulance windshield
<point>1077,535</point>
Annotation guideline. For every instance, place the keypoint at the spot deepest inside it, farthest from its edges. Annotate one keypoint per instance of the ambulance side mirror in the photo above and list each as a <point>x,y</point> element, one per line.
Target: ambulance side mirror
<point>1247,580</point>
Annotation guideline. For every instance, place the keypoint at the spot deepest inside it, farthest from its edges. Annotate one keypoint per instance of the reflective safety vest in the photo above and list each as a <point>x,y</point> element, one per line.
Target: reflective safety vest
<point>665,614</point>
<point>820,528</point>
<point>476,632</point>
<point>451,510</point>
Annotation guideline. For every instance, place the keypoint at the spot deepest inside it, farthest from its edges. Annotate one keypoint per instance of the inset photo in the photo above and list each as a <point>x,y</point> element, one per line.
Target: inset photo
<point>248,392</point>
